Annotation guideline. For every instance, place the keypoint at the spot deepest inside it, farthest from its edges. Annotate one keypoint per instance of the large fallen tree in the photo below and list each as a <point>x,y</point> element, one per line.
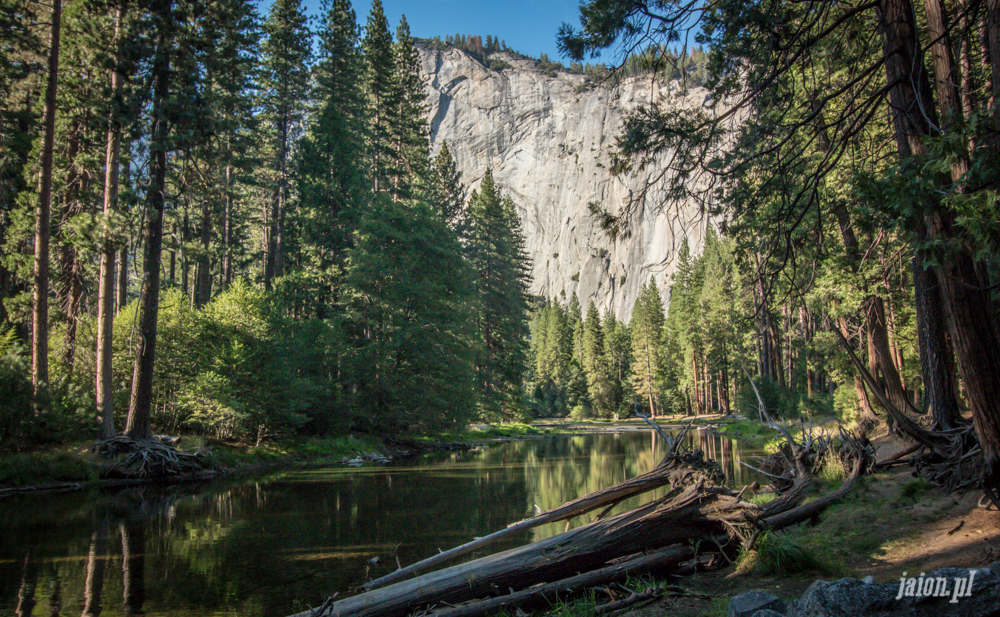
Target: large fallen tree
<point>698,515</point>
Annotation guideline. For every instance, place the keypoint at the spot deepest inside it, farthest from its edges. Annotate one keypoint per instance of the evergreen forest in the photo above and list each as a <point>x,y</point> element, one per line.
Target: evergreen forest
<point>218,222</point>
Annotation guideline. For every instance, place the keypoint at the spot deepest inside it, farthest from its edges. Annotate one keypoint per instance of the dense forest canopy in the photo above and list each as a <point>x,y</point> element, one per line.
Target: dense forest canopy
<point>230,223</point>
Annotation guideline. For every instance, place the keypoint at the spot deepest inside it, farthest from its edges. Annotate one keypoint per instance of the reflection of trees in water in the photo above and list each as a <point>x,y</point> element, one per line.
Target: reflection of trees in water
<point>560,470</point>
<point>255,547</point>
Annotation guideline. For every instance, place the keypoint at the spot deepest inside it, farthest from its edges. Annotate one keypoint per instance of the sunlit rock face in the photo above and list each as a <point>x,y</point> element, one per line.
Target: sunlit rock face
<point>548,140</point>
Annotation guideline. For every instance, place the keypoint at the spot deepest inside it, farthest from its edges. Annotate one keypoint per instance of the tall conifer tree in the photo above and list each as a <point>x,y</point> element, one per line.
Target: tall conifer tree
<point>382,99</point>
<point>333,183</point>
<point>287,53</point>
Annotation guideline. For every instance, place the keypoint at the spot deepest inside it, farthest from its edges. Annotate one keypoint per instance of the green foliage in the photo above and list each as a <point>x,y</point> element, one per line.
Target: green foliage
<point>407,301</point>
<point>774,553</point>
<point>62,411</point>
<point>501,270</point>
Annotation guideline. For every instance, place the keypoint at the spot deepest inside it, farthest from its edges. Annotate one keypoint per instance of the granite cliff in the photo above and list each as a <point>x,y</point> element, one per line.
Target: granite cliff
<point>548,138</point>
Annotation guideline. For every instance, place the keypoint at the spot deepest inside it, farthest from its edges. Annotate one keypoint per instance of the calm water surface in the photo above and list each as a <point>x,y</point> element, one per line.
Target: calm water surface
<point>278,544</point>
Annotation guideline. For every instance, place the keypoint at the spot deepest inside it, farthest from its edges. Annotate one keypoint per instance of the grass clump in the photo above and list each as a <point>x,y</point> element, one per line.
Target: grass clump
<point>913,490</point>
<point>775,554</point>
<point>761,499</point>
<point>832,471</point>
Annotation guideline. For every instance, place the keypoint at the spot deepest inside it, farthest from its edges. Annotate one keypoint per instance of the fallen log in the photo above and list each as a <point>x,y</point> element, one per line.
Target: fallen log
<point>548,594</point>
<point>662,475</point>
<point>696,509</point>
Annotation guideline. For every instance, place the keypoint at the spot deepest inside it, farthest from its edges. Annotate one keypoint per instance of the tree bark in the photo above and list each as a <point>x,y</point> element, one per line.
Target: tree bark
<point>40,297</point>
<point>138,425</point>
<point>936,361</point>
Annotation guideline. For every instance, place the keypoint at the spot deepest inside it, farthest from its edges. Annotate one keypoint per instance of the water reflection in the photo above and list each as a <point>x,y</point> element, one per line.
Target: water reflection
<point>274,545</point>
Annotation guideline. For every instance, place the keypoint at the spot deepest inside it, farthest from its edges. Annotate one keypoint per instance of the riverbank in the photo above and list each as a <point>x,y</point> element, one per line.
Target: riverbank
<point>890,523</point>
<point>76,465</point>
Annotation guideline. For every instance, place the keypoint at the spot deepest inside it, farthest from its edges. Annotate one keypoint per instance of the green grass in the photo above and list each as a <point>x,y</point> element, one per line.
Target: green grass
<point>315,449</point>
<point>763,498</point>
<point>750,432</point>
<point>844,531</point>
<point>776,554</point>
<point>913,490</point>
<point>45,468</point>
<point>495,431</point>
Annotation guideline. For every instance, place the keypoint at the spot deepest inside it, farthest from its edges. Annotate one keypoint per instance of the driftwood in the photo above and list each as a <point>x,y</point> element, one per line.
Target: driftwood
<point>698,510</point>
<point>546,595</point>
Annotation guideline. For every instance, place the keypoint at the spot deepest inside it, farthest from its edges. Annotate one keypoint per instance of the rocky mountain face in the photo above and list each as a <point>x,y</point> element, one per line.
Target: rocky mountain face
<point>548,140</point>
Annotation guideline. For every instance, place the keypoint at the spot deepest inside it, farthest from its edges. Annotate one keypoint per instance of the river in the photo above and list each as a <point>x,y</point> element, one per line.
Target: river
<point>276,544</point>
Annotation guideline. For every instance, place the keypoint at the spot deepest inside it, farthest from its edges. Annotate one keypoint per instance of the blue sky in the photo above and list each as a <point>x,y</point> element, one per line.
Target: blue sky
<point>528,26</point>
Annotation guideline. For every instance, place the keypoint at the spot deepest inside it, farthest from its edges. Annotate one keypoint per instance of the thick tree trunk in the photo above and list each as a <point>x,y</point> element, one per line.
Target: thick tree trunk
<point>936,361</point>
<point>140,403</point>
<point>106,275</point>
<point>40,297</point>
<point>969,309</point>
<point>880,354</point>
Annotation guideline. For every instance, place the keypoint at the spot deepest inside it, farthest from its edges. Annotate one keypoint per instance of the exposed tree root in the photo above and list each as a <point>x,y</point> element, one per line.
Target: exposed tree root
<point>147,458</point>
<point>951,458</point>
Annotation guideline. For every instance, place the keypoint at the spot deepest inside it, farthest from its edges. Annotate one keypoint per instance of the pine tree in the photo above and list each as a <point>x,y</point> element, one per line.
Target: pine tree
<point>501,267</point>
<point>410,135</point>
<point>646,327</point>
<point>333,186</point>
<point>594,363</point>
<point>447,192</point>
<point>617,344</point>
<point>287,53</point>
<point>383,94</point>
<point>407,301</point>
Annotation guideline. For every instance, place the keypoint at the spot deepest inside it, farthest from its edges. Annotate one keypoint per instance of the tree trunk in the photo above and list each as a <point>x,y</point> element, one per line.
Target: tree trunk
<point>227,233</point>
<point>70,266</point>
<point>936,361</point>
<point>106,275</point>
<point>40,298</point>
<point>140,403</point>
<point>968,307</point>
<point>203,283</point>
<point>880,354</point>
<point>121,268</point>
